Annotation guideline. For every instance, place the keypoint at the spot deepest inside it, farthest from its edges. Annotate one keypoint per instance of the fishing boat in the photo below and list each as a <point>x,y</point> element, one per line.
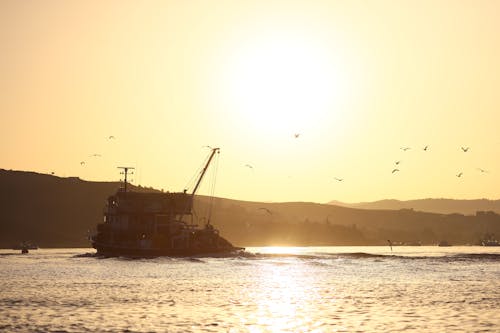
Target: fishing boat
<point>151,224</point>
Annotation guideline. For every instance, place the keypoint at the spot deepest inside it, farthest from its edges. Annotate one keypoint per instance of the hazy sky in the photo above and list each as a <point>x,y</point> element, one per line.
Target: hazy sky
<point>357,80</point>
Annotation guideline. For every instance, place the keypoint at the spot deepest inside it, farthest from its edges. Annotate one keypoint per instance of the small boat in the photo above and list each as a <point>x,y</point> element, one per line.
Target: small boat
<point>489,240</point>
<point>25,246</point>
<point>151,224</point>
<point>444,243</point>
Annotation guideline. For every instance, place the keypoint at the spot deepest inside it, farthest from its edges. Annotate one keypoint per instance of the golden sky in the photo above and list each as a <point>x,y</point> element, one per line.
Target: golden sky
<point>357,80</point>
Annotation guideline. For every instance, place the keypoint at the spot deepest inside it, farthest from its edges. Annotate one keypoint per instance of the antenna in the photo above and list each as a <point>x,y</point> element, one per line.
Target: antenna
<point>125,172</point>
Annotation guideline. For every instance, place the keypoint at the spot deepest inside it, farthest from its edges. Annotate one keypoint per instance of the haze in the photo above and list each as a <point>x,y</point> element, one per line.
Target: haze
<point>302,91</point>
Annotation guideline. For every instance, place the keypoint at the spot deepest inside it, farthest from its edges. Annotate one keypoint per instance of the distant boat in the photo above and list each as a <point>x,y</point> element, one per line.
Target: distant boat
<point>25,246</point>
<point>489,240</point>
<point>444,243</point>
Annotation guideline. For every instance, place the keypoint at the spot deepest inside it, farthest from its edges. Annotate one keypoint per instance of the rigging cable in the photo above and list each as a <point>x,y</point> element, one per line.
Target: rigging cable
<point>212,189</point>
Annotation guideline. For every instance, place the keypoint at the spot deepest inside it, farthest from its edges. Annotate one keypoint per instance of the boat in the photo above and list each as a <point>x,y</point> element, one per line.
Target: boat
<point>489,240</point>
<point>152,224</point>
<point>25,246</point>
<point>444,243</point>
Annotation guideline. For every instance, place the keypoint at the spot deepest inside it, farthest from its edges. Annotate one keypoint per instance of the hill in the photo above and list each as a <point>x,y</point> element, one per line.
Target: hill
<point>58,212</point>
<point>441,206</point>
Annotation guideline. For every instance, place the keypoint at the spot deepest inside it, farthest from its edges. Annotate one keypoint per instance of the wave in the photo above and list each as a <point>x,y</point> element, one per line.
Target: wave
<point>365,255</point>
<point>244,255</point>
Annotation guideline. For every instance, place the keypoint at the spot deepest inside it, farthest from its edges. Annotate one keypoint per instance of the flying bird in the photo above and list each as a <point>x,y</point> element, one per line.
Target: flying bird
<point>397,162</point>
<point>296,135</point>
<point>111,137</point>
<point>395,170</point>
<point>426,147</point>
<point>404,148</point>
<point>249,166</point>
<point>338,179</point>
<point>82,163</point>
<point>482,170</point>
<point>460,174</point>
<point>465,149</point>
<point>267,210</point>
<point>96,155</point>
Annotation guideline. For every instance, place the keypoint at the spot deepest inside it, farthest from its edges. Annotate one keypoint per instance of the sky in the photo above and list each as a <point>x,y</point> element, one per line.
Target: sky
<point>307,100</point>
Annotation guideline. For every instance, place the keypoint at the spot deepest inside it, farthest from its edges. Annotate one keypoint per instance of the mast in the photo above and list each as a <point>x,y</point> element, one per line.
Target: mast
<point>214,150</point>
<point>125,173</point>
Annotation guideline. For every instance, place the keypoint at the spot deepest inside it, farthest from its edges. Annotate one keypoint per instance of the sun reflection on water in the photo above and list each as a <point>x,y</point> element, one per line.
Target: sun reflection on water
<point>285,296</point>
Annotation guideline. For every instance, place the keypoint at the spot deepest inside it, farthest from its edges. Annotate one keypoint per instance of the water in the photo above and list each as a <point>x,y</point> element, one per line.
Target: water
<point>327,289</point>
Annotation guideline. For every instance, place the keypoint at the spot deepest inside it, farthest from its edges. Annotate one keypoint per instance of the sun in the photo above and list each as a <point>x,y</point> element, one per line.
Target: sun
<point>282,86</point>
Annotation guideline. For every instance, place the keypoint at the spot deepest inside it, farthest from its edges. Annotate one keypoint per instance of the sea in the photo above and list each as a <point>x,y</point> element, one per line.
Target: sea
<point>264,289</point>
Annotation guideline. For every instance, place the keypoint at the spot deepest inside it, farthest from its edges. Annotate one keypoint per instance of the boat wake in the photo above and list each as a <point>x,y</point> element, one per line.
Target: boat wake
<point>243,255</point>
<point>364,255</point>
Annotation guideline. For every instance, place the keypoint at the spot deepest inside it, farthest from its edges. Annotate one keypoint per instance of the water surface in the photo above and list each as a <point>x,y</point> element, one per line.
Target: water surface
<point>313,289</point>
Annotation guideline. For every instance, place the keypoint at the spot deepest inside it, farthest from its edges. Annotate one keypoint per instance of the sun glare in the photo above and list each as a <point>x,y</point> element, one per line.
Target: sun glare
<point>282,86</point>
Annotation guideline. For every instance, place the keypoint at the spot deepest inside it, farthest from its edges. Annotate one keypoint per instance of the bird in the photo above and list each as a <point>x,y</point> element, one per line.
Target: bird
<point>82,163</point>
<point>249,166</point>
<point>267,210</point>
<point>426,147</point>
<point>397,162</point>
<point>95,155</point>
<point>465,149</point>
<point>482,170</point>
<point>395,170</point>
<point>296,135</point>
<point>111,137</point>
<point>460,174</point>
<point>390,243</point>
<point>338,179</point>
<point>404,148</point>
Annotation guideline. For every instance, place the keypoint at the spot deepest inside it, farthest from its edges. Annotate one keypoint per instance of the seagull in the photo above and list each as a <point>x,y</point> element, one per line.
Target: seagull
<point>466,149</point>
<point>111,137</point>
<point>267,210</point>
<point>82,163</point>
<point>460,174</point>
<point>397,162</point>
<point>96,155</point>
<point>296,135</point>
<point>394,170</point>
<point>404,148</point>
<point>249,166</point>
<point>482,170</point>
<point>426,147</point>
<point>338,179</point>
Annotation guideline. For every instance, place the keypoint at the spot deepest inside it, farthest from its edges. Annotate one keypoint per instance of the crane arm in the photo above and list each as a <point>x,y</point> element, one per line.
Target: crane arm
<point>204,170</point>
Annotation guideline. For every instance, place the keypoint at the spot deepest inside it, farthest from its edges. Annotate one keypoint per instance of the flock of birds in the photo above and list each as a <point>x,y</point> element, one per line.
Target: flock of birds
<point>395,170</point>
<point>396,163</point>
<point>426,148</point>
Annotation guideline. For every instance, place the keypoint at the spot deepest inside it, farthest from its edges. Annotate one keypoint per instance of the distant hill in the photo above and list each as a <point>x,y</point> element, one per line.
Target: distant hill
<point>441,206</point>
<point>52,211</point>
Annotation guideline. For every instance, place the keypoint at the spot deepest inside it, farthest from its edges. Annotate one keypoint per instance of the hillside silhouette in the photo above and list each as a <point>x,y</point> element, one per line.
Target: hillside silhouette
<point>52,211</point>
<point>441,206</point>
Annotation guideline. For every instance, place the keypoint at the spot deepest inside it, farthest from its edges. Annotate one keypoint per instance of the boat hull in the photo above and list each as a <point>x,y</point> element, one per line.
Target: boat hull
<point>116,251</point>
